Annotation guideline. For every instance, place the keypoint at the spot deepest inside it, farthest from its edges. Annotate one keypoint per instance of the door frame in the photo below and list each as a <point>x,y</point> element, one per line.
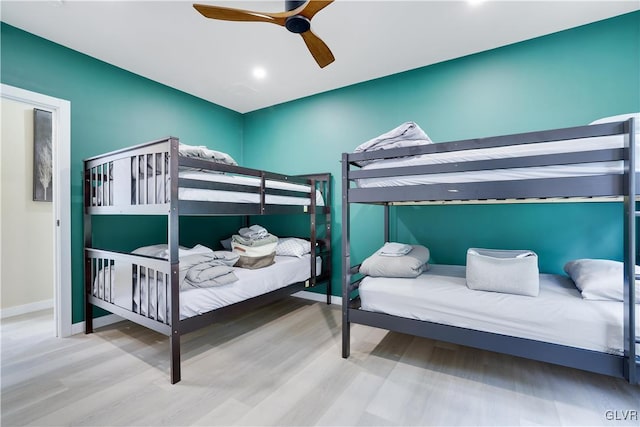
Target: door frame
<point>61,147</point>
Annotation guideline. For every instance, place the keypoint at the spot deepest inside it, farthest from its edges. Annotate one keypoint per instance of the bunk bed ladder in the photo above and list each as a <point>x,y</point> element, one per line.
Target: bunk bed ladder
<point>631,339</point>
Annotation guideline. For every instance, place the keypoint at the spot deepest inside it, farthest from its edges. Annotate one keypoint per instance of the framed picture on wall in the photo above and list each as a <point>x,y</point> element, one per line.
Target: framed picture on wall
<point>42,156</point>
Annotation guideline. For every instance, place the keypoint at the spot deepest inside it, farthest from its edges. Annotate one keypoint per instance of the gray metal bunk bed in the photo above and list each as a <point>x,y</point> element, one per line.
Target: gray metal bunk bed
<point>148,179</point>
<point>610,184</point>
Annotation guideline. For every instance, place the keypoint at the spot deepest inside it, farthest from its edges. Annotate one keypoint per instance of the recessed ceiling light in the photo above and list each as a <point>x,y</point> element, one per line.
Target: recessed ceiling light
<point>475,2</point>
<point>259,73</point>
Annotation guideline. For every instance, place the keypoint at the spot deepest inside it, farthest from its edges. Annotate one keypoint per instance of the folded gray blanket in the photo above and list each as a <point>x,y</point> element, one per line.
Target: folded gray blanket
<point>406,135</point>
<point>223,275</point>
<point>208,269</point>
<point>253,232</point>
<point>410,265</point>
<point>200,151</point>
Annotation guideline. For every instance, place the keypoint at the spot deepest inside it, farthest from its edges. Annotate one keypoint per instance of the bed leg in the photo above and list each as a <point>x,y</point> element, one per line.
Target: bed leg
<point>88,318</point>
<point>174,342</point>
<point>346,336</point>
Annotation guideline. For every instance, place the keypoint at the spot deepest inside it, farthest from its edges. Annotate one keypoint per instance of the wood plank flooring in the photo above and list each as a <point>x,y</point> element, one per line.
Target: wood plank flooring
<point>281,366</point>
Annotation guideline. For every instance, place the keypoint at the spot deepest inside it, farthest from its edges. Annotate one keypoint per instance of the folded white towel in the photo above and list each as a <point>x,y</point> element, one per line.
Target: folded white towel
<point>394,249</point>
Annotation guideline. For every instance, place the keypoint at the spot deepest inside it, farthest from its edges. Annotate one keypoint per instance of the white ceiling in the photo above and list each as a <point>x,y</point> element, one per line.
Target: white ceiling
<point>169,42</point>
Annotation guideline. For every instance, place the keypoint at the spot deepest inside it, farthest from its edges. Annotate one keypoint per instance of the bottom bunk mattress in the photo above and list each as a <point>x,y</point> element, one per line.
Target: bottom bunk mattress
<point>148,295</point>
<point>285,271</point>
<point>557,315</point>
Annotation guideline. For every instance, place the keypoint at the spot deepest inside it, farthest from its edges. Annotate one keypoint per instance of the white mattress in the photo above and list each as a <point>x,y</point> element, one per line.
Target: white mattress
<point>239,197</point>
<point>512,151</point>
<point>157,186</point>
<point>286,271</point>
<point>557,315</point>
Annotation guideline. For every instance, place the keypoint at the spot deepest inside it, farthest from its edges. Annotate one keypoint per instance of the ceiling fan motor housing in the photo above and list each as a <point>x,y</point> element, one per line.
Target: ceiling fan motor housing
<point>297,23</point>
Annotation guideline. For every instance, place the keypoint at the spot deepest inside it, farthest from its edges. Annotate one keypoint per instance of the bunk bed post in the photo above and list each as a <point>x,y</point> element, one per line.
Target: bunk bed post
<point>630,216</point>
<point>173,222</point>
<point>327,207</point>
<point>386,222</point>
<point>88,307</point>
<point>346,259</point>
<point>313,236</point>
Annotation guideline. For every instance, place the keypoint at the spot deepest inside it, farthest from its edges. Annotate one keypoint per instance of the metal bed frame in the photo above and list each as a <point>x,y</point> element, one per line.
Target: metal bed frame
<point>110,188</point>
<point>534,190</point>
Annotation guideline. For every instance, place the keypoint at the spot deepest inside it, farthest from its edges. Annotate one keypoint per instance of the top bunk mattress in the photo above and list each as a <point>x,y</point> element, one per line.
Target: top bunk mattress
<point>557,315</point>
<point>242,197</point>
<point>158,190</point>
<point>140,175</point>
<point>285,271</point>
<point>504,152</point>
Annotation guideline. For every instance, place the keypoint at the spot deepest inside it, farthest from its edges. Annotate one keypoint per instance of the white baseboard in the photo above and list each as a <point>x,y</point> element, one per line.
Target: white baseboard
<point>314,296</point>
<point>98,322</point>
<point>26,308</point>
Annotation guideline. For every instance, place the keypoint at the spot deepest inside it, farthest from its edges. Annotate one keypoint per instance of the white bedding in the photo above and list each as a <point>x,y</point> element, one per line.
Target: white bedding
<point>512,151</point>
<point>557,315</point>
<point>239,197</point>
<point>157,186</point>
<point>285,271</point>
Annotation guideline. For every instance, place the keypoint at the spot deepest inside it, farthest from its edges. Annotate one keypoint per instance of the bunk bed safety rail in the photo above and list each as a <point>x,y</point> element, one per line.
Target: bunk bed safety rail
<point>134,179</point>
<point>135,283</point>
<point>139,180</point>
<point>572,133</point>
<point>448,180</point>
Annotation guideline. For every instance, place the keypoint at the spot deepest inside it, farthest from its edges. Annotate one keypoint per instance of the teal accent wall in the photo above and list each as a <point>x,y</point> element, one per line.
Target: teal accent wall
<point>112,108</point>
<point>564,79</point>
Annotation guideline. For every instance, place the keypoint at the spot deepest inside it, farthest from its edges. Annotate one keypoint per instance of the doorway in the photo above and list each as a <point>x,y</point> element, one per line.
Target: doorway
<point>60,218</point>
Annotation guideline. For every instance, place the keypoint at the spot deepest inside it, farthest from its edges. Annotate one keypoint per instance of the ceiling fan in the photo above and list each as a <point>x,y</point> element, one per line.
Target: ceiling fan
<point>296,19</point>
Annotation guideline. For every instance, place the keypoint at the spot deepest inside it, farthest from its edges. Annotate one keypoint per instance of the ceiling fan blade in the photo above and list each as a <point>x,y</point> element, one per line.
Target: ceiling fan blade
<point>312,7</point>
<point>230,14</point>
<point>318,49</point>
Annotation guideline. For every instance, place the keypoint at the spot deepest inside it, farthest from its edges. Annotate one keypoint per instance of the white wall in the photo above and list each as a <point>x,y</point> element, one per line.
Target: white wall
<point>26,227</point>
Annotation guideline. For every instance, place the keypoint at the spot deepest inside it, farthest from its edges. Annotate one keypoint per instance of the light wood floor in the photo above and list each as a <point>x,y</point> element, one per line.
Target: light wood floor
<point>281,365</point>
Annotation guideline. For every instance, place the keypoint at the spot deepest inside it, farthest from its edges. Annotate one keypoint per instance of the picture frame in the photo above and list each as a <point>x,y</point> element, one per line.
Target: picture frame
<point>42,155</point>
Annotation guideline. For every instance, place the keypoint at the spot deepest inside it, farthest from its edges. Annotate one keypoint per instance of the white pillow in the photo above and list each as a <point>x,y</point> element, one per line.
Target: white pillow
<point>599,279</point>
<point>226,244</point>
<point>618,118</point>
<point>292,246</point>
<point>507,271</point>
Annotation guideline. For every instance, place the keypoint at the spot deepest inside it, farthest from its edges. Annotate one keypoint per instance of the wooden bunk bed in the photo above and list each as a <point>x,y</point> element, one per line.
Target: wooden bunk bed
<point>155,178</point>
<point>398,182</point>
